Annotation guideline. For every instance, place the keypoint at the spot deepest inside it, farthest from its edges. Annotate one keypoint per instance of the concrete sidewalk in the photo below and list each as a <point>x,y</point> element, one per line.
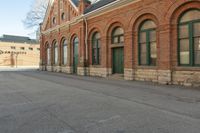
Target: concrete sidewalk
<point>26,68</point>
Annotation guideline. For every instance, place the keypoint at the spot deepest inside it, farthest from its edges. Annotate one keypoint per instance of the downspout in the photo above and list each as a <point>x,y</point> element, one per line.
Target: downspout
<point>86,46</point>
<point>86,38</point>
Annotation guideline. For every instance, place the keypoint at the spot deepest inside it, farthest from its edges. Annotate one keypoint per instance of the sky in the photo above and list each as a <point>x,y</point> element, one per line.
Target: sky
<point>12,13</point>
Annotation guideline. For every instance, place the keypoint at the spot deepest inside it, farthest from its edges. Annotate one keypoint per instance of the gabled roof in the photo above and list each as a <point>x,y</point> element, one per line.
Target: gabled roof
<point>97,5</point>
<point>17,39</point>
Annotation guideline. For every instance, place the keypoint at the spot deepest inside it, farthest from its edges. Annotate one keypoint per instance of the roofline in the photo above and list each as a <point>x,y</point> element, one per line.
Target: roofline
<point>91,14</point>
<point>124,2</point>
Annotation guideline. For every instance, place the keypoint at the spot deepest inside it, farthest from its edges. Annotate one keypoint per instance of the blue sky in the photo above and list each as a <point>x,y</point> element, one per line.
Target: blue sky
<point>12,12</point>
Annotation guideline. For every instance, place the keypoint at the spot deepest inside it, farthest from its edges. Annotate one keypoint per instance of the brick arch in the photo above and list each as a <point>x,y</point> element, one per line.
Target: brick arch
<point>93,30</point>
<point>72,37</point>
<point>142,15</point>
<point>111,27</point>
<point>179,7</point>
<point>112,23</point>
<point>61,40</point>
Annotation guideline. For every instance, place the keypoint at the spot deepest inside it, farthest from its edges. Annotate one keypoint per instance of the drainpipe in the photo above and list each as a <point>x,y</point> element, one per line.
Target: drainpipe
<point>86,37</point>
<point>86,44</point>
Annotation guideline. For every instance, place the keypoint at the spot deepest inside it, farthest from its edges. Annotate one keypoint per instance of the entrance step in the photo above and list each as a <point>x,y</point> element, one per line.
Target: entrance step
<point>116,77</point>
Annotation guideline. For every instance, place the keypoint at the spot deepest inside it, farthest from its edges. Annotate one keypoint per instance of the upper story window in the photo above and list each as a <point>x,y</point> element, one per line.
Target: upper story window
<point>117,35</point>
<point>30,48</point>
<point>54,20</point>
<point>189,39</point>
<point>147,43</point>
<point>63,16</point>
<point>22,48</point>
<point>13,47</point>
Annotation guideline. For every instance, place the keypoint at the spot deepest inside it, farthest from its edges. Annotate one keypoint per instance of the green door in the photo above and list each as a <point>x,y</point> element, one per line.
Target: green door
<point>75,58</point>
<point>118,60</point>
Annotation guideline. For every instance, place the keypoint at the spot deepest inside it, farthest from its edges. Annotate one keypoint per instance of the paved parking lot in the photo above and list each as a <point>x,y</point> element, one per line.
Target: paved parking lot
<point>44,102</point>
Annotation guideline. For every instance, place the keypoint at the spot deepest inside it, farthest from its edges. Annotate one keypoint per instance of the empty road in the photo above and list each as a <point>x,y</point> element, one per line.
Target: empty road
<point>45,102</point>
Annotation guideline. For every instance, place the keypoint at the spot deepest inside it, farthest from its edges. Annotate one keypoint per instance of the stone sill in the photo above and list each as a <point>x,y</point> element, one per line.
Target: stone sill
<point>187,68</point>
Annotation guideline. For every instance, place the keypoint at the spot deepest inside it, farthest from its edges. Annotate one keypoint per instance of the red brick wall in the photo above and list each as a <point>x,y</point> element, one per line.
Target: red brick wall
<point>164,13</point>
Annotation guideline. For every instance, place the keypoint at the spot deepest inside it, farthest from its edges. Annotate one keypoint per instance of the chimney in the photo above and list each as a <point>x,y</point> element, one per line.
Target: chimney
<point>83,4</point>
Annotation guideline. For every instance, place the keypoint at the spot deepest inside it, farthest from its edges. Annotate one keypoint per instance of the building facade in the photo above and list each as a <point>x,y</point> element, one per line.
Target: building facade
<point>17,51</point>
<point>146,40</point>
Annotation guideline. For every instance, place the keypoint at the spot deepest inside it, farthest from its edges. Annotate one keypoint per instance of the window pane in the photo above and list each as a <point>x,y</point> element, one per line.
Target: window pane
<point>65,55</point>
<point>99,44</point>
<point>115,40</point>
<point>56,55</point>
<point>197,51</point>
<point>99,55</point>
<point>48,56</point>
<point>190,15</point>
<point>143,53</point>
<point>153,53</point>
<point>118,31</point>
<point>94,56</point>
<point>153,36</point>
<point>121,39</point>
<point>197,29</point>
<point>142,37</point>
<point>148,25</point>
<point>184,51</point>
<point>183,31</point>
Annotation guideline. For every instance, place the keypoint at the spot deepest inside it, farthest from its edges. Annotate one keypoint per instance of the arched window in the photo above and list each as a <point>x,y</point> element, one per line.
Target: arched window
<point>96,45</point>
<point>63,16</point>
<point>55,51</point>
<point>189,39</point>
<point>147,43</point>
<point>48,54</point>
<point>64,52</point>
<point>117,35</point>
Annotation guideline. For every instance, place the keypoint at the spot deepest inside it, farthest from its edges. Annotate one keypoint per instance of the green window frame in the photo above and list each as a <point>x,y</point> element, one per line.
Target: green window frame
<point>190,36</point>
<point>146,43</point>
<point>96,46</point>
<point>118,36</point>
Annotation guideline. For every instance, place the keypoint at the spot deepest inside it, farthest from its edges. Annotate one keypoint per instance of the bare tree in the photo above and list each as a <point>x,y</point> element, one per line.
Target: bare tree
<point>36,14</point>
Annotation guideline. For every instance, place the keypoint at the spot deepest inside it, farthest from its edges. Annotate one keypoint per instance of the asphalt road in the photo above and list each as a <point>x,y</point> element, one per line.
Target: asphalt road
<point>44,102</point>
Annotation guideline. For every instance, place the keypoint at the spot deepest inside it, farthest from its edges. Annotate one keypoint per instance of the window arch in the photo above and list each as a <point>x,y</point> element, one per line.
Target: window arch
<point>96,45</point>
<point>147,43</point>
<point>117,35</point>
<point>64,51</point>
<point>55,52</point>
<point>48,54</point>
<point>189,38</point>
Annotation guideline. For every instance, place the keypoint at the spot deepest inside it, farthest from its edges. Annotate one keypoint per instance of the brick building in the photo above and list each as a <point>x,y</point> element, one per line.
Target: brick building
<point>147,40</point>
<point>19,51</point>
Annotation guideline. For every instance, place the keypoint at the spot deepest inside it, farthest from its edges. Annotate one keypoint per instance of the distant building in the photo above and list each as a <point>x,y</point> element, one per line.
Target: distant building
<point>19,51</point>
